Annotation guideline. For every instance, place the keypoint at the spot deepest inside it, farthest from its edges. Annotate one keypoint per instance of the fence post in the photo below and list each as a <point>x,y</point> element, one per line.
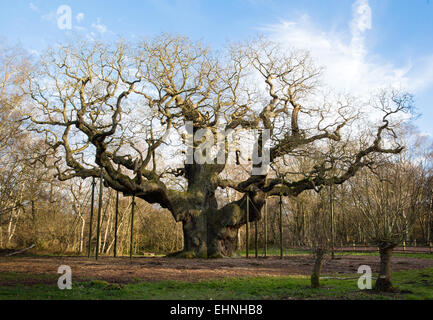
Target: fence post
<point>91,217</point>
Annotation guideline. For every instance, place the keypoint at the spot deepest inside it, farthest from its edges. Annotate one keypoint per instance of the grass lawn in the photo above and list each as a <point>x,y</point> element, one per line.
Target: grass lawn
<point>291,252</point>
<point>413,284</point>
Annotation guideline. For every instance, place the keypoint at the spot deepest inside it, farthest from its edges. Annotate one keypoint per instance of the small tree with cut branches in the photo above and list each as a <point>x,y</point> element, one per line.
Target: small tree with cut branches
<point>388,200</point>
<point>319,239</point>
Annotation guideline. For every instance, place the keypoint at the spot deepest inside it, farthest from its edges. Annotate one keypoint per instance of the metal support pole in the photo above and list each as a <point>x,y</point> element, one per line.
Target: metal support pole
<point>98,226</point>
<point>1,231</point>
<point>116,224</point>
<point>256,242</point>
<point>430,224</point>
<point>132,227</point>
<point>91,217</point>
<point>248,227</point>
<point>266,227</point>
<point>116,220</point>
<point>281,227</point>
<point>331,202</point>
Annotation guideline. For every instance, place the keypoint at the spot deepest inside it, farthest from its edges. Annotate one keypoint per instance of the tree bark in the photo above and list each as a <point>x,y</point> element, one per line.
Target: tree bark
<point>194,236</point>
<point>83,224</point>
<point>317,268</point>
<point>206,237</point>
<point>383,283</point>
<point>212,232</point>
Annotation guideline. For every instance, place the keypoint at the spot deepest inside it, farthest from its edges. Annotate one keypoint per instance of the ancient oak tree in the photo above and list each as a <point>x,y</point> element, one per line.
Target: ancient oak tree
<point>116,107</point>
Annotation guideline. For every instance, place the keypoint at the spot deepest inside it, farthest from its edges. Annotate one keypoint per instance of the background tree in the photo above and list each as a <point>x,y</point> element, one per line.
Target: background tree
<point>15,145</point>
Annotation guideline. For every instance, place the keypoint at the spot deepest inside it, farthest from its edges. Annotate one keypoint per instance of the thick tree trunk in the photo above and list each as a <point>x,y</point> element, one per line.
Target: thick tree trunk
<point>210,231</point>
<point>195,236</point>
<point>206,238</point>
<point>383,283</point>
<point>222,241</point>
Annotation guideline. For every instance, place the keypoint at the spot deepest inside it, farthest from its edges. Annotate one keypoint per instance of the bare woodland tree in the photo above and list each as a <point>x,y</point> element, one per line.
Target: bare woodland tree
<point>14,69</point>
<point>103,106</point>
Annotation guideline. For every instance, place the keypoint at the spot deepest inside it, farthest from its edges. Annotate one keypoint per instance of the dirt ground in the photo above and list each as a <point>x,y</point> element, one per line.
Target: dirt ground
<point>123,270</point>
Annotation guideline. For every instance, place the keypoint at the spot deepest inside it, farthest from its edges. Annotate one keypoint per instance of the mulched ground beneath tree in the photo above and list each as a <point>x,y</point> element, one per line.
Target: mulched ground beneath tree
<point>123,270</point>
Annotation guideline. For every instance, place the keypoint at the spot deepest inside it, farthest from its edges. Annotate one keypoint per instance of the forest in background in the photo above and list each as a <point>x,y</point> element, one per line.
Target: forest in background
<point>393,197</point>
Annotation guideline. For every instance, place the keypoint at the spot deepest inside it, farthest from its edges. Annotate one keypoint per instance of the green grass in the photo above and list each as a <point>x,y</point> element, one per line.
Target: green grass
<point>292,252</point>
<point>270,252</point>
<point>415,285</point>
<point>395,254</point>
<point>275,252</point>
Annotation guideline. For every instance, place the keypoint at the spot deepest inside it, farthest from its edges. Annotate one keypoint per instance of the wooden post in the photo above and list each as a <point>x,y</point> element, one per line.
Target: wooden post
<point>266,227</point>
<point>132,227</point>
<point>281,227</point>
<point>98,225</point>
<point>247,240</point>
<point>91,217</point>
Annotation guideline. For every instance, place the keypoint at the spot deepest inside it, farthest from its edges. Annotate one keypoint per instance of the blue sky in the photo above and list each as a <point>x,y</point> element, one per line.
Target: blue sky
<point>378,42</point>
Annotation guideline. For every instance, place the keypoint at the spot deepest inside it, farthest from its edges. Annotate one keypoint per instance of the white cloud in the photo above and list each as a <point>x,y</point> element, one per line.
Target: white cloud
<point>79,28</point>
<point>101,28</point>
<point>349,64</point>
<point>362,21</point>
<point>420,74</point>
<point>80,17</point>
<point>51,16</point>
<point>33,7</point>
